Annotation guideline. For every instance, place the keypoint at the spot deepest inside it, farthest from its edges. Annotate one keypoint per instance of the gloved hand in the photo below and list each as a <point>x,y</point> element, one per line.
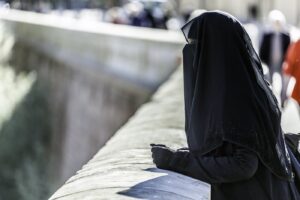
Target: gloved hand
<point>161,155</point>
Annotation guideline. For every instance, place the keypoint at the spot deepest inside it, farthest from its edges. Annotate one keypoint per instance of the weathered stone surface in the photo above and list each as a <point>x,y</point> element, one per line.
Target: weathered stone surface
<point>123,169</point>
<point>97,76</point>
<point>128,53</point>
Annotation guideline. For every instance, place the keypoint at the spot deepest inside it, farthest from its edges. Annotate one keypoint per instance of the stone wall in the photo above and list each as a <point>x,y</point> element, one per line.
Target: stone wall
<point>123,168</point>
<point>97,75</point>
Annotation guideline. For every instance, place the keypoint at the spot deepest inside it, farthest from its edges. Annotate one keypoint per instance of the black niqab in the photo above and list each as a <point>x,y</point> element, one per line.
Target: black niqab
<point>226,96</point>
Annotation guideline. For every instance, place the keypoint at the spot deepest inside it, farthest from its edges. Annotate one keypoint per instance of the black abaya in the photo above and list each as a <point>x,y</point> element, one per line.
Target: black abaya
<point>232,118</point>
<point>234,173</point>
<point>226,96</point>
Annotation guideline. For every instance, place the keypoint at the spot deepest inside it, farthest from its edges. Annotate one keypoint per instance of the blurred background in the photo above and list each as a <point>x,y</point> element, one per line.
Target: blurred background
<point>72,72</point>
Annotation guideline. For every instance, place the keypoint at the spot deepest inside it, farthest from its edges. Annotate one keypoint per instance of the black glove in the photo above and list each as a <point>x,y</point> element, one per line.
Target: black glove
<point>162,156</point>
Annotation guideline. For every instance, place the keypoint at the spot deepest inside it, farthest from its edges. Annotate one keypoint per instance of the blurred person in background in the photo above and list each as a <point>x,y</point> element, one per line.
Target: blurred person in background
<point>253,25</point>
<point>152,14</point>
<point>175,23</point>
<point>273,48</point>
<point>291,68</point>
<point>137,15</point>
<point>116,15</point>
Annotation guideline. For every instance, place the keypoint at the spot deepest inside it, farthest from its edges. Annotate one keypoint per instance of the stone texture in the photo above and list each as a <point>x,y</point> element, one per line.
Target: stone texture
<point>98,74</point>
<point>123,168</point>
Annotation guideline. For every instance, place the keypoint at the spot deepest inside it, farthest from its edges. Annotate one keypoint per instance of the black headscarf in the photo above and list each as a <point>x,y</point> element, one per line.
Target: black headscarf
<point>226,96</point>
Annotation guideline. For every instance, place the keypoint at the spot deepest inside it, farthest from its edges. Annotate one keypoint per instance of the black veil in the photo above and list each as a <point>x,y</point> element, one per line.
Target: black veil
<point>226,96</point>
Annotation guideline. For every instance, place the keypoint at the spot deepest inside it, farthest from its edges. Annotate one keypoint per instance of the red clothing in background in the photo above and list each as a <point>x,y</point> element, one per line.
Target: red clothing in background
<point>292,67</point>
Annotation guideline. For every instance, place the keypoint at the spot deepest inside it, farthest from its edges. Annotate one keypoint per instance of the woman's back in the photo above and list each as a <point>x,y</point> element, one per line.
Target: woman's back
<point>263,185</point>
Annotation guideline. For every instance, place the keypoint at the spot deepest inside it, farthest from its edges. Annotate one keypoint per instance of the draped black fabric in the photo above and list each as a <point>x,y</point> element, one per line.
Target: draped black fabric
<point>226,96</point>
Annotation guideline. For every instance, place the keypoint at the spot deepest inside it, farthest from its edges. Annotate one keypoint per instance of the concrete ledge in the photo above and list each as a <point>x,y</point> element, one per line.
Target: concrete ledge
<point>123,168</point>
<point>128,53</point>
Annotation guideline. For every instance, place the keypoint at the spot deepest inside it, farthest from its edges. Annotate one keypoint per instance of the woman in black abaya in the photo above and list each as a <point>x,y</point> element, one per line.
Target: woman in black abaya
<point>235,141</point>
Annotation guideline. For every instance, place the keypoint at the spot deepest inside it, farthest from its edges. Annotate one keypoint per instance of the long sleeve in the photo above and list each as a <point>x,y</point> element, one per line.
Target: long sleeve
<point>240,165</point>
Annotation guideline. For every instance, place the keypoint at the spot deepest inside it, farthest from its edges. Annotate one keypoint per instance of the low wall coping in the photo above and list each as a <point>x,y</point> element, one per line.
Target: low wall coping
<point>123,168</point>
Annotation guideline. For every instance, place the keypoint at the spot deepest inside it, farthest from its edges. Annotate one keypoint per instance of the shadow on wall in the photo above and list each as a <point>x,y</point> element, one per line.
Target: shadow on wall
<point>168,187</point>
<point>24,141</point>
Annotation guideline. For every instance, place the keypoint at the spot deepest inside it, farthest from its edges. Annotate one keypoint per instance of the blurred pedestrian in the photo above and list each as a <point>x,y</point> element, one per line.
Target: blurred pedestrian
<point>137,14</point>
<point>254,26</point>
<point>274,45</point>
<point>292,68</point>
<point>116,15</point>
<point>159,17</point>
